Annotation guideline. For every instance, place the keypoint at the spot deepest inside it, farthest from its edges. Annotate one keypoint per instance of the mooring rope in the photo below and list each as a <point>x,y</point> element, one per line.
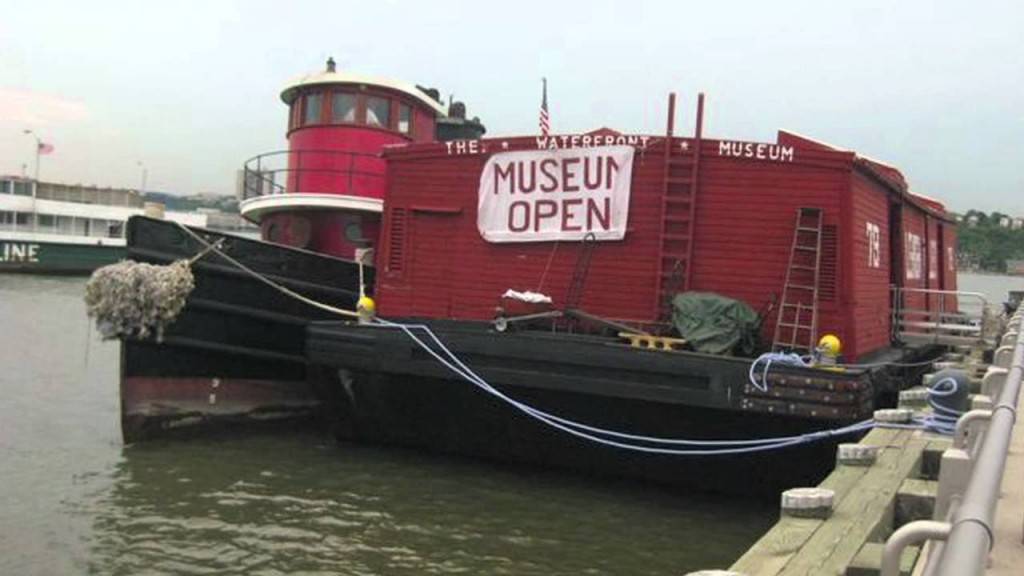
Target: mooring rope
<point>591,433</point>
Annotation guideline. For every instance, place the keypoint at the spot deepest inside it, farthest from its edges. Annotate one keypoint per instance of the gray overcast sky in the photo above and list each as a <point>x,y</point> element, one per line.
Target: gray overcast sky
<point>191,88</point>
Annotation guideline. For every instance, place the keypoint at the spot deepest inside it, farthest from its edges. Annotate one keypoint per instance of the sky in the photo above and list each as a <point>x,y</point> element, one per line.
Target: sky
<point>189,90</point>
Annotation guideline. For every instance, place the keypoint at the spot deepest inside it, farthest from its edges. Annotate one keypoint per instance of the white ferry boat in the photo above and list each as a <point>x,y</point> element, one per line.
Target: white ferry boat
<point>50,227</point>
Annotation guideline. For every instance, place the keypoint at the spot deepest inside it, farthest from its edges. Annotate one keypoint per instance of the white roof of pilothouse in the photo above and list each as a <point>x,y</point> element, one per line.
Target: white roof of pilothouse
<point>331,76</point>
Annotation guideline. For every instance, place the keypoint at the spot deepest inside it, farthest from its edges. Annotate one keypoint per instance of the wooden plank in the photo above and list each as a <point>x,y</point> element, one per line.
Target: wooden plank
<point>915,500</point>
<point>865,514</point>
<point>932,457</point>
<point>771,555</point>
<point>868,561</point>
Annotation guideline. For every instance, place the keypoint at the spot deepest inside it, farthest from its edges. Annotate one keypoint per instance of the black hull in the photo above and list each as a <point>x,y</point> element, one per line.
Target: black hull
<point>397,394</point>
<point>451,417</point>
<point>237,351</point>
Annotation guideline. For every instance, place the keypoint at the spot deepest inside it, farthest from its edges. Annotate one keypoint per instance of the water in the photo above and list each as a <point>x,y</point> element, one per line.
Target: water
<point>74,499</point>
<point>994,286</point>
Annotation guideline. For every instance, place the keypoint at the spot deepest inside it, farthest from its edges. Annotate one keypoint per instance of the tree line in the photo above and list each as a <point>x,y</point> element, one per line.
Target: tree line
<point>986,244</point>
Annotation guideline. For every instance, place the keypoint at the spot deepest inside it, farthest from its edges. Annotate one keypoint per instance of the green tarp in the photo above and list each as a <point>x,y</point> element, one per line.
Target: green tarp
<point>714,324</point>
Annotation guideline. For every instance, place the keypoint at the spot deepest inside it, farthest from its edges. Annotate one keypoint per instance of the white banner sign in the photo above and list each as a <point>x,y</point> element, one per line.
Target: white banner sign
<point>543,195</point>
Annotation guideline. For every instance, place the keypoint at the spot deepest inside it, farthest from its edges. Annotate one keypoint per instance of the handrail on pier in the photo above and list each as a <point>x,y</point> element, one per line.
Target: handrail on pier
<point>970,531</point>
<point>966,320</point>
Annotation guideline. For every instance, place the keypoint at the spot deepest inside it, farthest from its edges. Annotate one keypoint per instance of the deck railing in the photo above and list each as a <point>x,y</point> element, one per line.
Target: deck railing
<point>284,171</point>
<point>950,317</point>
<point>971,474</point>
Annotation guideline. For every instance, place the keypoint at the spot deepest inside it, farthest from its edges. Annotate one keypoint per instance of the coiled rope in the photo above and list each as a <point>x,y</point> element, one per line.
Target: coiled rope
<point>767,359</point>
<point>942,419</point>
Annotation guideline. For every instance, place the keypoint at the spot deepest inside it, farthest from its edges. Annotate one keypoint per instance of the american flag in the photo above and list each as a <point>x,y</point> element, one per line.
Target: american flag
<point>545,125</point>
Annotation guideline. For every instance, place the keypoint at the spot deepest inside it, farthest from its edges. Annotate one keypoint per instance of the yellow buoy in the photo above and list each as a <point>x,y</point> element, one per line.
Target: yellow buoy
<point>830,345</point>
<point>827,353</point>
<point>366,308</point>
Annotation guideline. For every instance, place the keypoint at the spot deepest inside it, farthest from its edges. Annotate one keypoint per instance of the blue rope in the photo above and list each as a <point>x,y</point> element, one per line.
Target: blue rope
<point>586,432</point>
<point>943,419</point>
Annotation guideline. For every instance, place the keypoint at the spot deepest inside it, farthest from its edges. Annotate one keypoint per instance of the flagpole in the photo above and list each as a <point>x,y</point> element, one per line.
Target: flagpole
<point>544,122</point>
<point>35,182</point>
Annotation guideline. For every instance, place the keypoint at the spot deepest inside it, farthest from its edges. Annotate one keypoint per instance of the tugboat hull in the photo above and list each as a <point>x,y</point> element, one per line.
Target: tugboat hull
<point>236,352</point>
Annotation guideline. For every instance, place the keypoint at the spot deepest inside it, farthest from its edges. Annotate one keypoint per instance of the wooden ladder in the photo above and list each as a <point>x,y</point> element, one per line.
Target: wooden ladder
<point>796,325</point>
<point>678,205</point>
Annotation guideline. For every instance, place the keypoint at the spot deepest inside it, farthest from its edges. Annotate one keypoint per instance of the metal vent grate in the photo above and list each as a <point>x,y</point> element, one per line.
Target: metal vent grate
<point>396,244</point>
<point>829,256</point>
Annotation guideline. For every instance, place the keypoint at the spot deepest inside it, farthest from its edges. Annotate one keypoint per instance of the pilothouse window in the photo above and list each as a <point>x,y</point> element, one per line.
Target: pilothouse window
<point>378,111</point>
<point>313,105</point>
<point>343,107</point>
<point>404,118</point>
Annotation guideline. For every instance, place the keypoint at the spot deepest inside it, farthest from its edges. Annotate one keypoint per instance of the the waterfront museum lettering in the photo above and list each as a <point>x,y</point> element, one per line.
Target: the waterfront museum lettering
<point>542,195</point>
<point>19,252</point>
<point>757,151</point>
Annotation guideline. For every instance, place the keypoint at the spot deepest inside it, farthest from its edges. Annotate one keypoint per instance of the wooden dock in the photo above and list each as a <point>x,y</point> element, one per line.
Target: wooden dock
<point>891,479</point>
<point>870,502</point>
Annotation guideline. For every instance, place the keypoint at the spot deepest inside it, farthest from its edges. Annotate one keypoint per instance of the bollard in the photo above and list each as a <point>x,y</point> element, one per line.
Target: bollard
<point>808,502</point>
<point>916,397</point>
<point>894,415</point>
<point>855,454</point>
<point>957,401</point>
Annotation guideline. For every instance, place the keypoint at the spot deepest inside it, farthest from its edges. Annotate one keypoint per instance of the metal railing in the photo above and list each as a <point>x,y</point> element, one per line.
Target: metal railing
<point>284,171</point>
<point>971,474</point>
<point>948,317</point>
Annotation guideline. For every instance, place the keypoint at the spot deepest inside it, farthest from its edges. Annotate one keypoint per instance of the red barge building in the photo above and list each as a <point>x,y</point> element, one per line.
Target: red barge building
<point>612,227</point>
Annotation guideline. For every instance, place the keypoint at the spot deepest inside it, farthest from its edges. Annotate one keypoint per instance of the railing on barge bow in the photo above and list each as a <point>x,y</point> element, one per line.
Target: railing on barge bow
<point>947,317</point>
<point>963,538</point>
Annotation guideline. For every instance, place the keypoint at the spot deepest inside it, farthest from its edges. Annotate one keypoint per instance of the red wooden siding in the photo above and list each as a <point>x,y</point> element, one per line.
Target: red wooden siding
<point>868,299</point>
<point>746,212</point>
<point>448,261</point>
<point>435,263</point>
